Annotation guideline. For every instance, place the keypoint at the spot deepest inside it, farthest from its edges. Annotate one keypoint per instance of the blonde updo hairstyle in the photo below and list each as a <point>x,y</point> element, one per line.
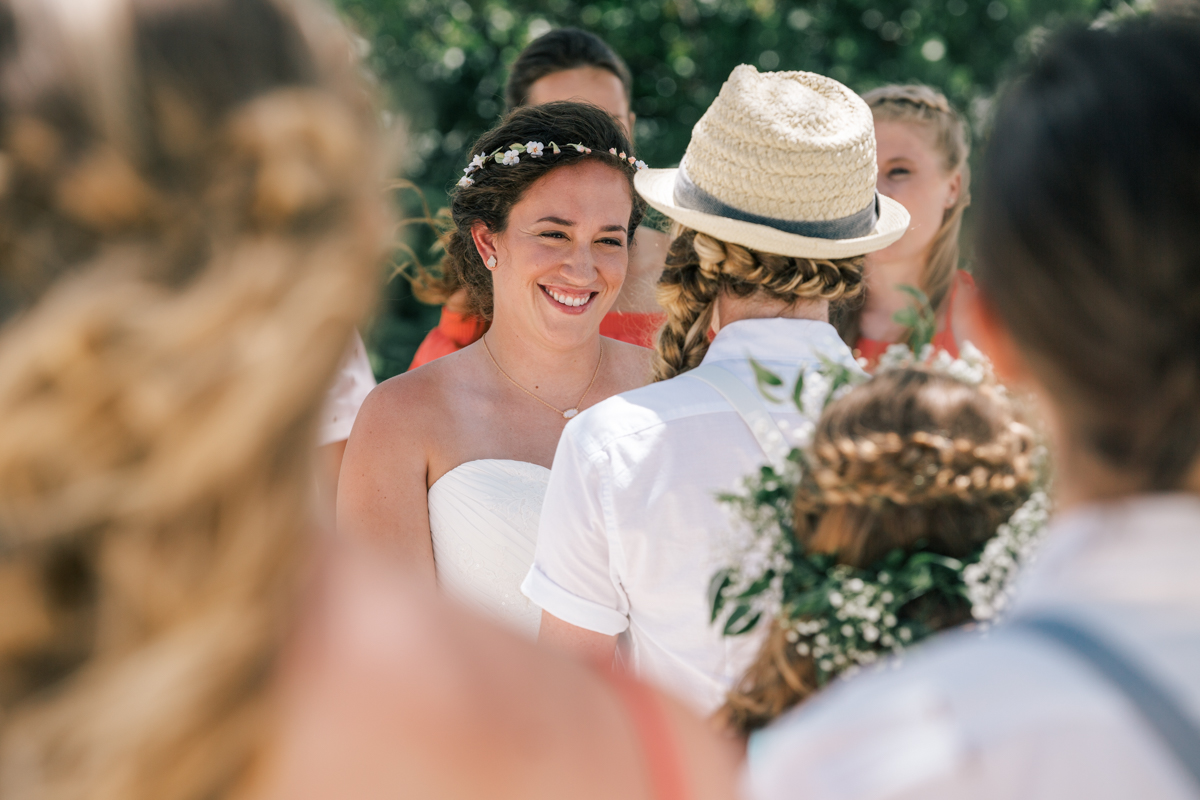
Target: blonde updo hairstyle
<point>191,222</point>
<point>700,267</point>
<point>911,459</point>
<point>929,109</point>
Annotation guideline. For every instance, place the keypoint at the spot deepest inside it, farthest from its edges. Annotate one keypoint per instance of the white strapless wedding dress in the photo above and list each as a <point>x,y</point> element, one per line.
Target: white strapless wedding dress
<point>484,519</point>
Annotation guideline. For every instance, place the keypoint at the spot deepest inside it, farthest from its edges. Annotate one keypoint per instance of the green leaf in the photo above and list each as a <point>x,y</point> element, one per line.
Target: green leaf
<point>765,378</point>
<point>741,621</point>
<point>797,391</point>
<point>918,318</point>
<point>716,589</point>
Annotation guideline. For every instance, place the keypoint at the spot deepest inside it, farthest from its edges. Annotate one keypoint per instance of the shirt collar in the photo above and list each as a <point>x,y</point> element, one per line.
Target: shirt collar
<point>777,339</point>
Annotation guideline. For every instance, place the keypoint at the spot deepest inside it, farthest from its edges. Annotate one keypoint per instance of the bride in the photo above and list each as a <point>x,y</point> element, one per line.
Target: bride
<point>448,463</point>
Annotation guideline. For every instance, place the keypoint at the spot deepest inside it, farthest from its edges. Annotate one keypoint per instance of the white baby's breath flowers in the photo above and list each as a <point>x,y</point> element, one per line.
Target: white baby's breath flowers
<point>847,619</point>
<point>511,157</point>
<point>990,581</point>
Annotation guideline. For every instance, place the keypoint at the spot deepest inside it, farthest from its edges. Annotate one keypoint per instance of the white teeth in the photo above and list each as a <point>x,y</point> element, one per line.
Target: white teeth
<point>567,300</point>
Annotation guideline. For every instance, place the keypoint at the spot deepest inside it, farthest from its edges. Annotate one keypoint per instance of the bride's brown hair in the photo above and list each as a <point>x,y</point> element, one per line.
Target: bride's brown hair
<point>911,457</point>
<point>496,188</point>
<point>191,221</point>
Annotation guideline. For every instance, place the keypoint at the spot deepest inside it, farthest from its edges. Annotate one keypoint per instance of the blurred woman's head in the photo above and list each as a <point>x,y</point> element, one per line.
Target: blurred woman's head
<point>570,64</point>
<point>922,146</point>
<point>190,224</point>
<point>1089,249</point>
<point>542,237</point>
<point>911,460</point>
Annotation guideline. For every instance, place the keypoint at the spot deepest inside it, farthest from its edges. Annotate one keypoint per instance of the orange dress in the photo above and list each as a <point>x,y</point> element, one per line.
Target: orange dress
<point>455,331</point>
<point>943,339</point>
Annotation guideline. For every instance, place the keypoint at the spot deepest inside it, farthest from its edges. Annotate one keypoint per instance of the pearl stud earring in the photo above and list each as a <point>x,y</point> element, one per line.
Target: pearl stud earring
<point>491,263</point>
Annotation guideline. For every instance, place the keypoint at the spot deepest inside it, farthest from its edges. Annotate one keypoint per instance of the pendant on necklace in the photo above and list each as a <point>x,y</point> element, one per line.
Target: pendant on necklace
<point>570,412</point>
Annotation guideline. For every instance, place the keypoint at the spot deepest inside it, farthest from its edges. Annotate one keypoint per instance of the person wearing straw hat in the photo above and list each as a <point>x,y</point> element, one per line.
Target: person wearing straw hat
<point>774,205</point>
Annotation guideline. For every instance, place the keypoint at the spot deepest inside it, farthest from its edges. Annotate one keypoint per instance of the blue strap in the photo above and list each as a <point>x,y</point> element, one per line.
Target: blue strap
<point>1154,701</point>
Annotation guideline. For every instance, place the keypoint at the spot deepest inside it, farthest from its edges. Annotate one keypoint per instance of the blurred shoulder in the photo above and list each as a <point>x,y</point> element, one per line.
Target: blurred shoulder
<point>953,715</point>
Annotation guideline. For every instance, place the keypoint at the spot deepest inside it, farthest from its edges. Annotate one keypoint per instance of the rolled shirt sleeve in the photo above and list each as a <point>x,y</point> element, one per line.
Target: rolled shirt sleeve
<point>574,576</point>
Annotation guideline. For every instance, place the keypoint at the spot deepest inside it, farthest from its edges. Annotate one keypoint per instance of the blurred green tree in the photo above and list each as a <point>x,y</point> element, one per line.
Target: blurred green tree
<point>443,65</point>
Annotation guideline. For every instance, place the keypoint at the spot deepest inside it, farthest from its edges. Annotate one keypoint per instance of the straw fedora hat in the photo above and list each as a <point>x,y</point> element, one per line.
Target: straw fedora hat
<point>783,163</point>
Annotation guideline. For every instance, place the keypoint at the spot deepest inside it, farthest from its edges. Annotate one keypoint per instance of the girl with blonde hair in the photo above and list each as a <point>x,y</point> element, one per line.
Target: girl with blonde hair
<point>923,146</point>
<point>192,218</point>
<point>631,519</point>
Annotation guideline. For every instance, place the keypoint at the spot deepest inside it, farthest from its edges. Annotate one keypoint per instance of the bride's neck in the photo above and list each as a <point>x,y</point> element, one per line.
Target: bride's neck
<point>541,366</point>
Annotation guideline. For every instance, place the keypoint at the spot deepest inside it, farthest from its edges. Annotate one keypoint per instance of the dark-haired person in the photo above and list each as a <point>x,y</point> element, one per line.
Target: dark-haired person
<point>449,463</point>
<point>1089,272</point>
<point>565,64</point>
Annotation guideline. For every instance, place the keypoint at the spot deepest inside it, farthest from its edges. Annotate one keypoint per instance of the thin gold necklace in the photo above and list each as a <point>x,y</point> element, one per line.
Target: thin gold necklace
<point>568,413</point>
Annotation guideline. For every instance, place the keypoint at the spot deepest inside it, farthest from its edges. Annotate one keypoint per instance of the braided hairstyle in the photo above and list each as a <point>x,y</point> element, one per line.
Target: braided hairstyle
<point>191,222</point>
<point>700,267</point>
<point>921,105</point>
<point>910,459</point>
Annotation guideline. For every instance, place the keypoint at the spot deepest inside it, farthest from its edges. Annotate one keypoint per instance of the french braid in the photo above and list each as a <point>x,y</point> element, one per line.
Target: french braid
<point>699,267</point>
<point>910,459</point>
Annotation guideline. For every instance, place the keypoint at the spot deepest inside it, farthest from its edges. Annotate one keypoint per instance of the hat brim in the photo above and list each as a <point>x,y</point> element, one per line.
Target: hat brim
<point>657,186</point>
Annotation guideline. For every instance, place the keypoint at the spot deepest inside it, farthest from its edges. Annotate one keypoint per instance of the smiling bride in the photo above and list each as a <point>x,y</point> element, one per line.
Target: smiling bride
<point>448,463</point>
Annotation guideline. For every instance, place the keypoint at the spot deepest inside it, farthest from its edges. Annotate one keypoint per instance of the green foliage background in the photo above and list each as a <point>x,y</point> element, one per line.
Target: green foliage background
<point>443,66</point>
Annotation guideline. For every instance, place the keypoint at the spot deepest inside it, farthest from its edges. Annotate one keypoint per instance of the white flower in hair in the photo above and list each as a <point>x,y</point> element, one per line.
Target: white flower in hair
<point>464,181</point>
<point>511,157</point>
<point>534,148</point>
<point>641,165</point>
<point>476,163</point>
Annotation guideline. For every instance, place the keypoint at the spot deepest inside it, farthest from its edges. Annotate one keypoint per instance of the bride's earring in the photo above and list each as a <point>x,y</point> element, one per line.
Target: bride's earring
<point>491,263</point>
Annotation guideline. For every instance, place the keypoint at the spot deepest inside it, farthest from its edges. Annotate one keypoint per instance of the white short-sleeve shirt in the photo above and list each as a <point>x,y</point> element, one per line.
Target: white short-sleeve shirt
<point>353,382</point>
<point>631,531</point>
<point>1010,716</point>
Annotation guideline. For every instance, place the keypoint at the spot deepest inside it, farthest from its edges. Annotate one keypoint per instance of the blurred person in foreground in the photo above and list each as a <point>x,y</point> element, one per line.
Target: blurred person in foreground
<point>564,64</point>
<point>191,221</point>
<point>922,148</point>
<point>1089,273</point>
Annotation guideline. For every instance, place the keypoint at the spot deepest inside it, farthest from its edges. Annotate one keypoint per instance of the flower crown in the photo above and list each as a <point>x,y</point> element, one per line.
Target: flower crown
<point>843,617</point>
<point>512,155</point>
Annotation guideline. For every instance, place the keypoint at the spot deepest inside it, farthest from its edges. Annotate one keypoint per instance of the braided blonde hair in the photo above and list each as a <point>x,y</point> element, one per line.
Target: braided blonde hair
<point>188,257</point>
<point>921,105</point>
<point>909,459</point>
<point>699,267</point>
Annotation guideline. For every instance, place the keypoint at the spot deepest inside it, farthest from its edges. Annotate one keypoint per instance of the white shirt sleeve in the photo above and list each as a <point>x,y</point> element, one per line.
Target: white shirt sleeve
<point>573,576</point>
<point>353,382</point>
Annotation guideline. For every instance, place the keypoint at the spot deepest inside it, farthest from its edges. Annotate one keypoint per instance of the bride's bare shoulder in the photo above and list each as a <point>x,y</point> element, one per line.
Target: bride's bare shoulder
<point>633,364</point>
<point>426,389</point>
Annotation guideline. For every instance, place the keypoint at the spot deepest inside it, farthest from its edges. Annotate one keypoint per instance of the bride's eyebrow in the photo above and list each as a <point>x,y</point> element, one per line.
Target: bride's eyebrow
<point>568,224</point>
